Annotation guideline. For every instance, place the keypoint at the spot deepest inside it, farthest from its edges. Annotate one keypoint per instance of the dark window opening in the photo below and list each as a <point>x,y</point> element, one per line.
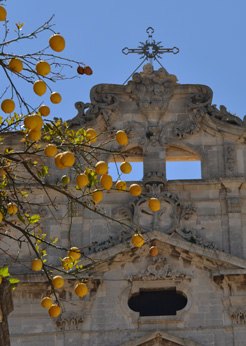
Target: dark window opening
<point>157,303</point>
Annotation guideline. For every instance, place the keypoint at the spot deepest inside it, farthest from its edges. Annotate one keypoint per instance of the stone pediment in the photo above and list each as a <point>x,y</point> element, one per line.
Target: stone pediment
<point>169,247</point>
<point>159,338</point>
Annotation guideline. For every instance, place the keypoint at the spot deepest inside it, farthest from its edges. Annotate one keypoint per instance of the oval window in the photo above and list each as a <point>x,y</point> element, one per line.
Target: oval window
<point>157,303</point>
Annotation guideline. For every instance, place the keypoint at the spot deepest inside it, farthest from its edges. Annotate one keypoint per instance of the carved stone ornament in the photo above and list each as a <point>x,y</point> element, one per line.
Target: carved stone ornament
<point>238,314</point>
<point>192,237</point>
<point>70,321</point>
<point>152,91</point>
<point>79,119</point>
<point>102,103</point>
<point>159,270</point>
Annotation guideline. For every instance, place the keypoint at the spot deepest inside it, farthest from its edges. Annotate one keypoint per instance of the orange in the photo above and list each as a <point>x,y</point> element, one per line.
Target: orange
<point>125,167</point>
<point>154,204</point>
<point>121,185</point>
<point>34,135</point>
<point>15,65</point>
<point>101,167</point>
<point>55,98</point>
<point>57,43</point>
<point>82,179</point>
<point>54,310</point>
<point>39,87</point>
<point>50,150</point>
<point>97,196</point>
<point>58,161</point>
<point>121,137</point>
<point>1,217</point>
<point>37,264</point>
<point>43,68</point>
<point>46,302</point>
<point>57,281</point>
<point>3,14</point>
<point>153,251</point>
<point>66,261</point>
<point>74,253</point>
<point>30,122</point>
<point>65,179</point>
<point>44,110</point>
<point>1,279</point>
<point>106,181</point>
<point>137,240</point>
<point>8,106</point>
<point>67,159</point>
<point>91,135</point>
<point>39,121</point>
<point>81,289</point>
<point>135,190</point>
<point>12,208</point>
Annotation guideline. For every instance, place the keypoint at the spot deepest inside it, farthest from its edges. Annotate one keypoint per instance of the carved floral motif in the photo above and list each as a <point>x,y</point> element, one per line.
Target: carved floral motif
<point>70,321</point>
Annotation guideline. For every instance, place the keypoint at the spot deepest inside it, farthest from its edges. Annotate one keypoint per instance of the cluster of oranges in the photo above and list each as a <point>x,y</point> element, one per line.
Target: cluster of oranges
<point>80,289</point>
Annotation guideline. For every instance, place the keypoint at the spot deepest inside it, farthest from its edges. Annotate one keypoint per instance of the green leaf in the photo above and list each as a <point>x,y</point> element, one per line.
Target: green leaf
<point>21,218</point>
<point>34,219</point>
<point>4,271</point>
<point>13,280</point>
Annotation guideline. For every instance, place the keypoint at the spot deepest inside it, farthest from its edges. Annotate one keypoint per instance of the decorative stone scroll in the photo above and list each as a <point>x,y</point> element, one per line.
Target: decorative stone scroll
<point>159,270</point>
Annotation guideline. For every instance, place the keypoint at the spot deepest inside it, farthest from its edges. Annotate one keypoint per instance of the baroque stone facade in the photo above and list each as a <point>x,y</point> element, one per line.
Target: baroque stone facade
<point>199,230</point>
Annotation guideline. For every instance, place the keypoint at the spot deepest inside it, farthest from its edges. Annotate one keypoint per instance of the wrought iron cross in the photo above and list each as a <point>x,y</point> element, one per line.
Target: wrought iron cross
<point>150,49</point>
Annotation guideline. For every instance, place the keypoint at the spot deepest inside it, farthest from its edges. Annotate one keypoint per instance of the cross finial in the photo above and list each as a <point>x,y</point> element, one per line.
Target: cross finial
<point>150,49</point>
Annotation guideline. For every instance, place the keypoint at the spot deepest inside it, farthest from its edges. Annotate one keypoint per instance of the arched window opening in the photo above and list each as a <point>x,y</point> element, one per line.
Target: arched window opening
<point>157,302</point>
<point>182,164</point>
<point>135,157</point>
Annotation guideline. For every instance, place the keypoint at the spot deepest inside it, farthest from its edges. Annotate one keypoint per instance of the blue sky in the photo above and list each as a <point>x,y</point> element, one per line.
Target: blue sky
<point>210,35</point>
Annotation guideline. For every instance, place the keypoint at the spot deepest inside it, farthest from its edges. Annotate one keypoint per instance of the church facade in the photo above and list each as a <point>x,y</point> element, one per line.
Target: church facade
<point>193,292</point>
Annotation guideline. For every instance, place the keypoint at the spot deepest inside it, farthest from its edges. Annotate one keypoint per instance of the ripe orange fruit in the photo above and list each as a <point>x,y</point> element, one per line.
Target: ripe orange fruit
<point>135,190</point>
<point>37,264</point>
<point>15,65</point>
<point>154,204</point>
<point>88,70</point>
<point>57,281</point>
<point>67,159</point>
<point>34,135</point>
<point>137,240</point>
<point>82,179</point>
<point>121,137</point>
<point>44,110</point>
<point>30,122</point>
<point>3,14</point>
<point>54,310</point>
<point>125,167</point>
<point>50,150</point>
<point>46,302</point>
<point>121,185</point>
<point>39,121</point>
<point>106,181</point>
<point>65,263</point>
<point>55,97</point>
<point>153,251</point>
<point>97,196</point>
<point>74,253</point>
<point>12,208</point>
<point>1,217</point>
<point>81,289</point>
<point>91,135</point>
<point>65,179</point>
<point>57,43</point>
<point>39,87</point>
<point>58,161</point>
<point>43,68</point>
<point>101,167</point>
<point>8,106</point>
